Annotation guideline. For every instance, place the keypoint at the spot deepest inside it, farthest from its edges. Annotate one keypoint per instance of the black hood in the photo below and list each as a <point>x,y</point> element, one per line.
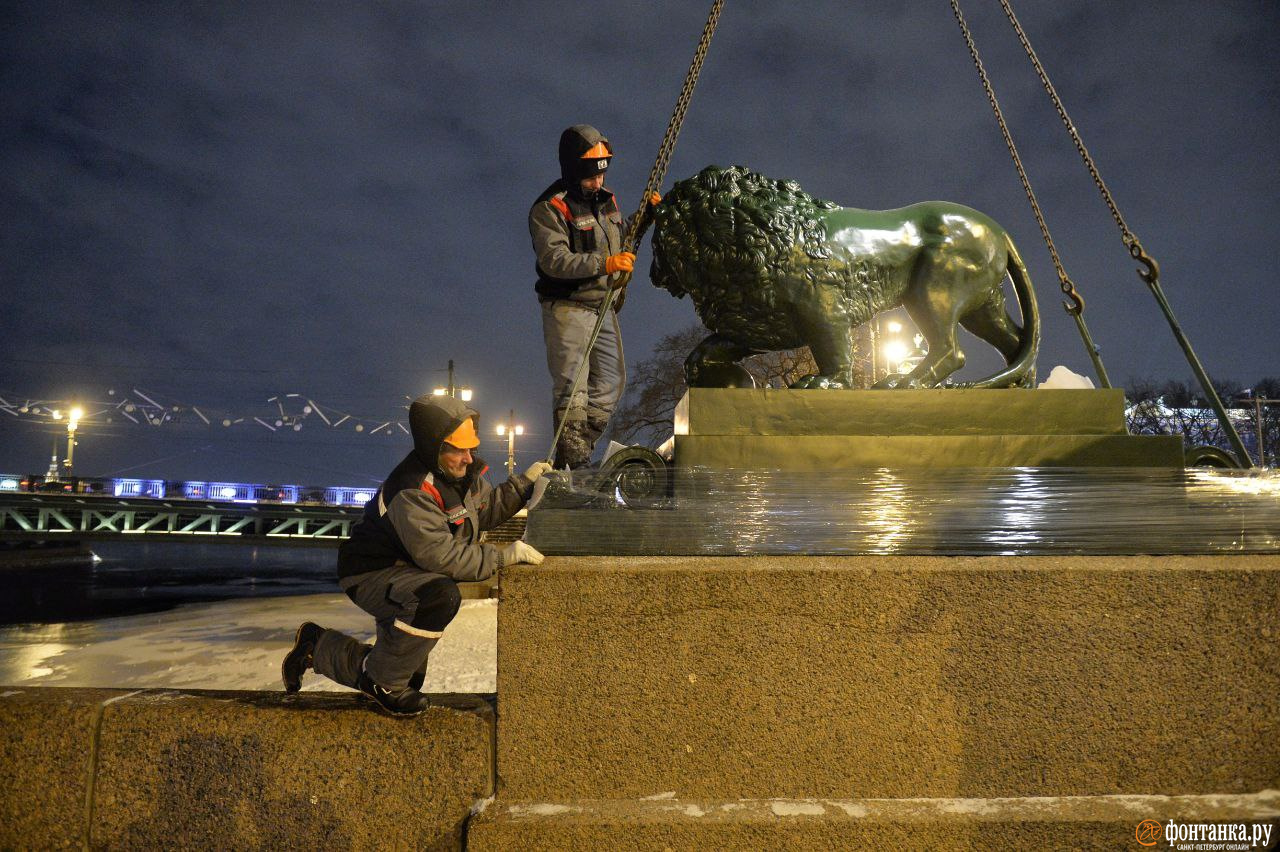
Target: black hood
<point>431,420</point>
<point>574,142</point>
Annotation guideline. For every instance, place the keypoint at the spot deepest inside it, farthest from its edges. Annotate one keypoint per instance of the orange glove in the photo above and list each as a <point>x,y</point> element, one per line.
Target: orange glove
<point>655,199</point>
<point>623,261</point>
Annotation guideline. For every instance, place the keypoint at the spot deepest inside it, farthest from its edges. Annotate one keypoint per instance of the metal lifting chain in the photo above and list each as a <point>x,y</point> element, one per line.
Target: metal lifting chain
<point>1075,305</point>
<point>1150,273</point>
<point>1130,239</point>
<point>640,221</point>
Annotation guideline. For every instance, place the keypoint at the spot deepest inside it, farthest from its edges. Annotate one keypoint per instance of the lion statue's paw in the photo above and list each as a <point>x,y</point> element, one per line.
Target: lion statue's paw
<point>817,383</point>
<point>897,381</point>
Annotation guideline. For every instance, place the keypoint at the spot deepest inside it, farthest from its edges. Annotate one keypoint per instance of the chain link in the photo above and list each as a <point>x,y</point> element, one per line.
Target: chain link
<point>1129,238</point>
<point>659,171</point>
<point>614,298</point>
<point>1068,287</point>
<point>1150,273</point>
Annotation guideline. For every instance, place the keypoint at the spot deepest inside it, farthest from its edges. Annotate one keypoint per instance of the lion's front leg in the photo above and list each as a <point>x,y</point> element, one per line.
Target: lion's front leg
<point>714,364</point>
<point>826,327</point>
<point>934,302</point>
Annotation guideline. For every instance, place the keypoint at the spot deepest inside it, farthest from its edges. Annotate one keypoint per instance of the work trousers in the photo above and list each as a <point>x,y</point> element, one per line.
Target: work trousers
<point>566,328</point>
<point>411,608</point>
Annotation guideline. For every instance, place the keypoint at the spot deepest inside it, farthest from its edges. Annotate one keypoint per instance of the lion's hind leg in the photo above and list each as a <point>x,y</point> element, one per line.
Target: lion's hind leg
<point>992,323</point>
<point>934,313</point>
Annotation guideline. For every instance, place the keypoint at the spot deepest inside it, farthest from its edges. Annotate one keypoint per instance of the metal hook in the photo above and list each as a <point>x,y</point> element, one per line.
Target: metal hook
<point>1152,272</point>
<point>1076,306</point>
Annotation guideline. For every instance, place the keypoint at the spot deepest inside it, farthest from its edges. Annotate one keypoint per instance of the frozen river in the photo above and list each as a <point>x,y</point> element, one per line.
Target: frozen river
<point>231,644</point>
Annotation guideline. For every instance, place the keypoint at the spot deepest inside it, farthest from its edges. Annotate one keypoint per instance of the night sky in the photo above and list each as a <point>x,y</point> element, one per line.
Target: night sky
<point>218,203</point>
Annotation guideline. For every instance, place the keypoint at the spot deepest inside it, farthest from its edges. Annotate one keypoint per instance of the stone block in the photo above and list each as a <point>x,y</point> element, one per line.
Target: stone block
<point>952,411</point>
<point>314,770</point>
<point>842,452</point>
<point>46,763</point>
<point>889,676</point>
<point>1101,823</point>
<point>802,430</point>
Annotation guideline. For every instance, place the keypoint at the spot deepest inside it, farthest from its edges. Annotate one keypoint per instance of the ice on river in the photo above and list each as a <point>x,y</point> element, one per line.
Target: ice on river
<point>235,644</point>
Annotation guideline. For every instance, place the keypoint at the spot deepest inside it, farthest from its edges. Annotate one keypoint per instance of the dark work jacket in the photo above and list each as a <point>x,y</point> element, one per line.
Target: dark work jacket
<point>572,239</point>
<point>421,518</point>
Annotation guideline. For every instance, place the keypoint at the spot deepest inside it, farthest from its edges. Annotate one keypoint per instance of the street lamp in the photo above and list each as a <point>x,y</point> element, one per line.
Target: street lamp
<point>51,475</point>
<point>1259,425</point>
<point>895,352</point>
<point>73,421</point>
<point>511,429</point>
<point>451,389</point>
<point>895,349</point>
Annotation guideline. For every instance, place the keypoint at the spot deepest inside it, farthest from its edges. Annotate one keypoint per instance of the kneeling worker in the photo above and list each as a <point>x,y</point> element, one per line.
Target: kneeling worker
<point>420,536</point>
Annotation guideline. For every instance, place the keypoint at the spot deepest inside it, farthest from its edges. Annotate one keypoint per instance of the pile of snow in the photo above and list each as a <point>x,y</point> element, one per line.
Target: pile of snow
<point>1060,378</point>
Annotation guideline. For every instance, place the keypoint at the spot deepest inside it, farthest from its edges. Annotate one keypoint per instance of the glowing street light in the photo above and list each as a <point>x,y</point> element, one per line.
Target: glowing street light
<point>511,429</point>
<point>451,389</point>
<point>73,421</point>
<point>894,349</point>
<point>895,352</point>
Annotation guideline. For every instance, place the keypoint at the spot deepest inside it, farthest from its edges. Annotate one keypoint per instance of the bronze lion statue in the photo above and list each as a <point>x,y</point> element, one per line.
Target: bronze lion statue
<point>770,267</point>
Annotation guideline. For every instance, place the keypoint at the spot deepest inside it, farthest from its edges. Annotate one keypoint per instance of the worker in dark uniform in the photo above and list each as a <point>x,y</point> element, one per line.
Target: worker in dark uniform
<point>419,537</point>
<point>577,236</point>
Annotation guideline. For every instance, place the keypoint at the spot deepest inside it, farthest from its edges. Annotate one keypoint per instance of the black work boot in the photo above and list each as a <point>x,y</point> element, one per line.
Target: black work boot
<point>406,702</point>
<point>298,660</point>
<point>595,428</point>
<point>417,679</point>
<point>573,450</point>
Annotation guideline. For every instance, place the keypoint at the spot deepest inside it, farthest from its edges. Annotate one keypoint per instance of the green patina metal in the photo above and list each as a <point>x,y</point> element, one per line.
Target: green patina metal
<point>770,267</point>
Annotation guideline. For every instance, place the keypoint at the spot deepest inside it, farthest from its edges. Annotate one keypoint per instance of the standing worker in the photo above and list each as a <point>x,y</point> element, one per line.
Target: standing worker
<point>420,536</point>
<point>577,237</point>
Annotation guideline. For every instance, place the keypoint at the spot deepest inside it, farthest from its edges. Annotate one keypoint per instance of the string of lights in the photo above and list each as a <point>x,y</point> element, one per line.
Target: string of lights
<point>284,412</point>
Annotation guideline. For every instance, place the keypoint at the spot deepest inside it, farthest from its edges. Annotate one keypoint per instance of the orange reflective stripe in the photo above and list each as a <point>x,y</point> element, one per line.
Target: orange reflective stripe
<point>433,491</point>
<point>597,151</point>
<point>559,204</point>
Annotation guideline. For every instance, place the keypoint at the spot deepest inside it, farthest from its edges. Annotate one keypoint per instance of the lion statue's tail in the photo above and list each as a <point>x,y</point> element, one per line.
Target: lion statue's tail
<point>1021,369</point>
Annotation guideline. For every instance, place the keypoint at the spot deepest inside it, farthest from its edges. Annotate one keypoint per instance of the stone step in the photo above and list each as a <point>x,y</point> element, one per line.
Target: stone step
<point>888,676</point>
<point>952,411</point>
<point>842,452</point>
<point>1093,822</point>
<point>197,769</point>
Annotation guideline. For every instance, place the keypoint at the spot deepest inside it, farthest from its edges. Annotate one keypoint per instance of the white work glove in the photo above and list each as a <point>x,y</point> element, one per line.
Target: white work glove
<point>518,551</point>
<point>536,471</point>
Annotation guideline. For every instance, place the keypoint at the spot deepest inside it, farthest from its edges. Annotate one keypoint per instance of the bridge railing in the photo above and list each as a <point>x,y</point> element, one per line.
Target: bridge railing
<point>27,516</point>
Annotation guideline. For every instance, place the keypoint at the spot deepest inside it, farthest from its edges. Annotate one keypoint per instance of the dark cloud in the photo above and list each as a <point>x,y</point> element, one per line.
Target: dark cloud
<point>220,203</point>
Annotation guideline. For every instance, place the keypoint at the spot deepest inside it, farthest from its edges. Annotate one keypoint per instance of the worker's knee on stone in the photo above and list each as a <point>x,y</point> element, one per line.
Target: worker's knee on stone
<point>438,602</point>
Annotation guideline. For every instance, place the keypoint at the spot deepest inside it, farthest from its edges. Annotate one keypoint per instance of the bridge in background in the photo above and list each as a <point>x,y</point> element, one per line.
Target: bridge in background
<point>73,516</point>
<point>51,517</point>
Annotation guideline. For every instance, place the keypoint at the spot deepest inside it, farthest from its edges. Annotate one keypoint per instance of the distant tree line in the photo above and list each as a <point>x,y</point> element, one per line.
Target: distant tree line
<point>1172,407</point>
